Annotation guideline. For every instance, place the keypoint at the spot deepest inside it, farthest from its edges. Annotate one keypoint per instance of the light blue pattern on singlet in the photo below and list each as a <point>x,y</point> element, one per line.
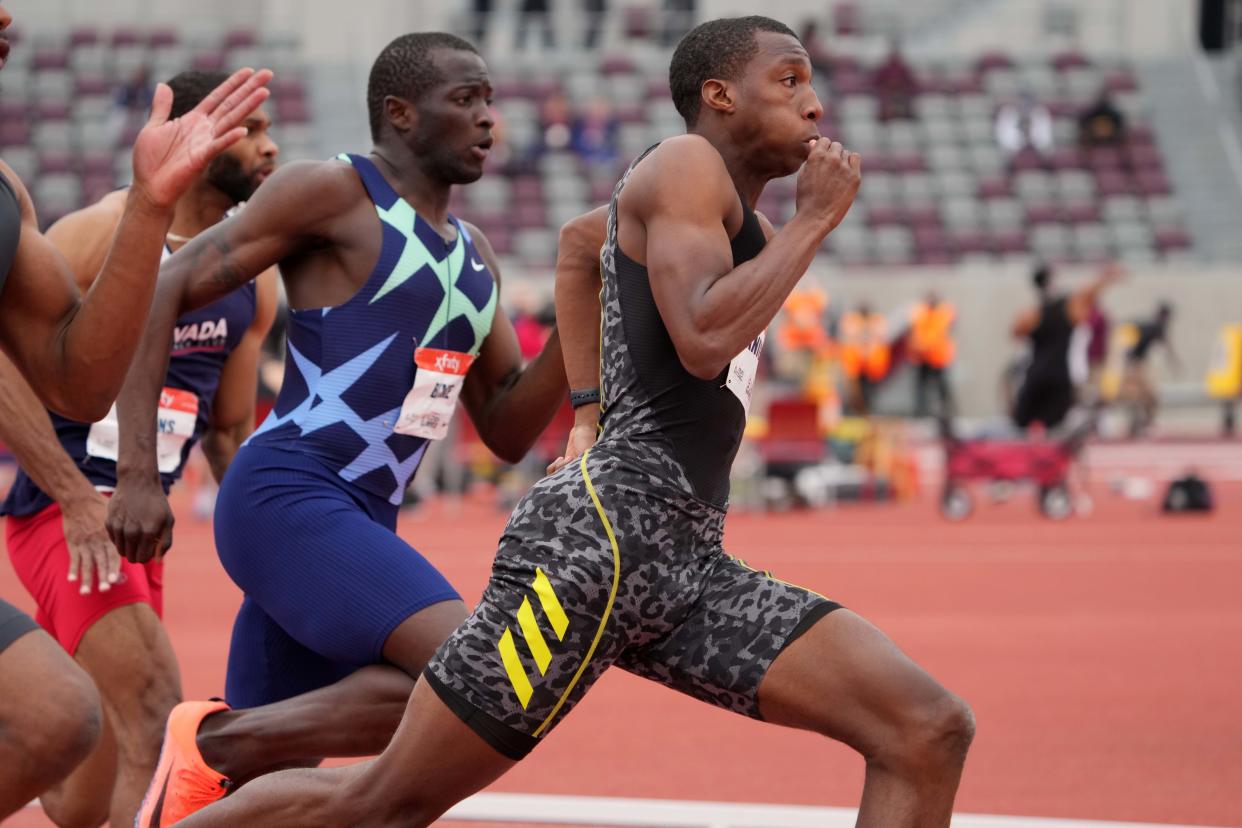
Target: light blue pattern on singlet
<point>349,367</point>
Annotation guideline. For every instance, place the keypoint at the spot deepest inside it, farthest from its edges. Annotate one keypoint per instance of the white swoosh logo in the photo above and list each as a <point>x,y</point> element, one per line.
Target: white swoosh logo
<point>476,265</point>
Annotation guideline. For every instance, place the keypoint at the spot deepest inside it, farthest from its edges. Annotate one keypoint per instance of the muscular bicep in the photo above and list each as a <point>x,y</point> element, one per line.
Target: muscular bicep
<point>683,228</point>
<point>289,214</point>
<point>84,237</point>
<point>39,297</point>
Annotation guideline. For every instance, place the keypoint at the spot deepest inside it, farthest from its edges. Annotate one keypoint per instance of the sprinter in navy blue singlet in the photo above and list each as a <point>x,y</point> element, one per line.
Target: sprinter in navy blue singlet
<point>394,319</point>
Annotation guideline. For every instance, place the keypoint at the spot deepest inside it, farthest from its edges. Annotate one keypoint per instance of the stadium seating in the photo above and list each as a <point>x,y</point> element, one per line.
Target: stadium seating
<point>937,189</point>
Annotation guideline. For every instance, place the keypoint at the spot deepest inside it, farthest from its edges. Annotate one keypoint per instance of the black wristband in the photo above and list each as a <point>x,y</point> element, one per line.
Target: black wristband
<point>585,396</point>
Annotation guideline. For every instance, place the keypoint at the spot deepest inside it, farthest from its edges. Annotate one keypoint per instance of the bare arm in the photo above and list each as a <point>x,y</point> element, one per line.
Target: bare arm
<point>75,353</point>
<point>579,317</point>
<point>712,309</point>
<point>1082,301</point>
<point>511,406</point>
<point>27,430</point>
<point>232,412</point>
<point>287,214</point>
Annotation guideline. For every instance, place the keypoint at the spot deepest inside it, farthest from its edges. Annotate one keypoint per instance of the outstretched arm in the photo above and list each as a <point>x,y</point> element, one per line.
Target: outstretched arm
<point>290,212</point>
<point>712,309</point>
<point>75,353</point>
<point>579,319</point>
<point>511,405</point>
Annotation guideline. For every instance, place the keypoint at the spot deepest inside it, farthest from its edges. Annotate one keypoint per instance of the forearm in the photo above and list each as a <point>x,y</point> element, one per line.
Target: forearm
<point>220,446</point>
<point>138,403</point>
<point>518,414</point>
<point>97,341</point>
<point>27,430</point>
<point>740,305</point>
<point>578,319</point>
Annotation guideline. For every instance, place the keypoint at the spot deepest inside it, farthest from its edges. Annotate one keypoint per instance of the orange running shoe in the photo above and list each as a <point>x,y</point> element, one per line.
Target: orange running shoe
<point>183,783</point>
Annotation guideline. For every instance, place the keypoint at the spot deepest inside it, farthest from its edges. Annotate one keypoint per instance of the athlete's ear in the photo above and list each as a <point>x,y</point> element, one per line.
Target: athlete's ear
<point>400,113</point>
<point>718,95</point>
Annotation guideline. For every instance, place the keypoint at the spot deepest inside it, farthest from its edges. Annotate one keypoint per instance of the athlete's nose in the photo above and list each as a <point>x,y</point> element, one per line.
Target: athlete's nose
<point>814,110</point>
<point>5,19</point>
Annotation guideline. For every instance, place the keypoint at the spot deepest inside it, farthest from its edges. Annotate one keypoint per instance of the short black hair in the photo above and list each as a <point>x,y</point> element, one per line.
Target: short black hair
<point>405,70</point>
<point>1042,277</point>
<point>715,49</point>
<point>190,87</point>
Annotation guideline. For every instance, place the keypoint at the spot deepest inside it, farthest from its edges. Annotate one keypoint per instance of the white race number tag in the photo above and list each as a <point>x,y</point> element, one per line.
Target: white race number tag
<point>178,415</point>
<point>742,370</point>
<point>437,383</point>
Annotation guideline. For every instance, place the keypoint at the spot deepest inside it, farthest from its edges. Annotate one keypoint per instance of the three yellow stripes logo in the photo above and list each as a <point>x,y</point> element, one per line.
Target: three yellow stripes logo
<point>528,627</point>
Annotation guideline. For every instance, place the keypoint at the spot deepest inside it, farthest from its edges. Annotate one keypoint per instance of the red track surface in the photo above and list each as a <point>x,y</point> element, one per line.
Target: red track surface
<point>1103,658</point>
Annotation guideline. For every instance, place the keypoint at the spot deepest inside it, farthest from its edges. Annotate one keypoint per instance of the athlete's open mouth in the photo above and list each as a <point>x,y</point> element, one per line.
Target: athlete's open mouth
<point>481,149</point>
<point>4,51</point>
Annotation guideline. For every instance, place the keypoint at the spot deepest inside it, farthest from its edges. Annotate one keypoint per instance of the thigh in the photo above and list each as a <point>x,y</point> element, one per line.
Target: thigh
<point>267,665</point>
<point>721,651</point>
<point>40,556</point>
<point>847,680</point>
<point>332,577</point>
<point>547,626</point>
<point>129,656</point>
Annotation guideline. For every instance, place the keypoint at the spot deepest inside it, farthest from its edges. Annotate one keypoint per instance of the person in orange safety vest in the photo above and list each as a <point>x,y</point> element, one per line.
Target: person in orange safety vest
<point>865,353</point>
<point>932,350</point>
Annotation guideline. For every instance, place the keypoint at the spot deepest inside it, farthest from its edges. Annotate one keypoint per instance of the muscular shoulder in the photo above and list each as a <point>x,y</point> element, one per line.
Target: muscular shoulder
<point>685,169</point>
<point>312,190</point>
<point>84,236</point>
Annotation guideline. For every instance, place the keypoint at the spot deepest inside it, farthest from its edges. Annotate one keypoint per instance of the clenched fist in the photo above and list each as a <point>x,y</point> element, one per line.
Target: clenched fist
<point>828,182</point>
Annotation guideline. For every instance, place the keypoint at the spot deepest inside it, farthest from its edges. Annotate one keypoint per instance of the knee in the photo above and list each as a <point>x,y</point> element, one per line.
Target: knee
<point>936,734</point>
<point>140,705</point>
<point>77,812</point>
<point>70,724</point>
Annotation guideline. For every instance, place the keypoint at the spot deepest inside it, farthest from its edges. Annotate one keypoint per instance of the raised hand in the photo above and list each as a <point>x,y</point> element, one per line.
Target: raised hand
<point>828,182</point>
<point>170,154</point>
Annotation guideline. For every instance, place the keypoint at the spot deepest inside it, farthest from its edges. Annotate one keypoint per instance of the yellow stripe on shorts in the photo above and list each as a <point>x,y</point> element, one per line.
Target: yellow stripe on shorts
<point>551,606</point>
<point>534,638</point>
<point>612,596</point>
<point>513,667</point>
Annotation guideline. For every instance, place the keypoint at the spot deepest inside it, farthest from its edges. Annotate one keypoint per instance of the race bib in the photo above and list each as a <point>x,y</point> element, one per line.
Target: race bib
<point>178,415</point>
<point>742,370</point>
<point>430,404</point>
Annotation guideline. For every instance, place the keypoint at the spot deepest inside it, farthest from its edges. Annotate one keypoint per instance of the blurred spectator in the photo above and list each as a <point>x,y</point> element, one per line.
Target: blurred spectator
<point>1047,392</point>
<point>1102,125</point>
<point>534,11</point>
<point>679,17</point>
<point>135,94</point>
<point>932,350</point>
<point>1097,353</point>
<point>865,355</point>
<point>801,335</point>
<point>482,16</point>
<point>1137,389</point>
<point>532,322</point>
<point>821,58</point>
<point>594,133</point>
<point>895,85</point>
<point>594,11</point>
<point>554,122</point>
<point>1024,125</point>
